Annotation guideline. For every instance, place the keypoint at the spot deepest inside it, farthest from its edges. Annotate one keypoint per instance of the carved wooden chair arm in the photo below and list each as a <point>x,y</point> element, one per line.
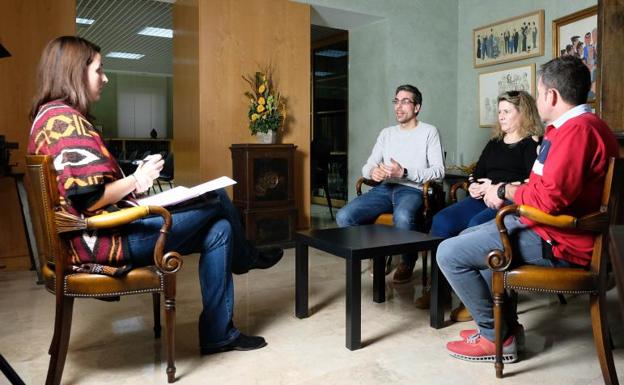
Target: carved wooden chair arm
<point>366,181</point>
<point>458,186</point>
<point>432,190</point>
<point>498,260</point>
<point>167,263</point>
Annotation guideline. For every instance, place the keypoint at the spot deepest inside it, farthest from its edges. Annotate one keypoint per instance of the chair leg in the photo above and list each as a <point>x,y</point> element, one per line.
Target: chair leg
<point>156,302</point>
<point>601,338</point>
<point>159,185</point>
<point>329,204</point>
<point>498,295</point>
<point>170,287</point>
<point>562,299</point>
<point>423,255</point>
<point>62,327</point>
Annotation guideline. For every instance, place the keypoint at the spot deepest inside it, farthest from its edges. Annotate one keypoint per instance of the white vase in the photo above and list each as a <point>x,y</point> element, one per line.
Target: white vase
<point>267,138</point>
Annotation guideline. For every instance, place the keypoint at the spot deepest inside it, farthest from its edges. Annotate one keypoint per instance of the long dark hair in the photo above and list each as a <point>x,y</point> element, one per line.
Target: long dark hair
<point>62,73</point>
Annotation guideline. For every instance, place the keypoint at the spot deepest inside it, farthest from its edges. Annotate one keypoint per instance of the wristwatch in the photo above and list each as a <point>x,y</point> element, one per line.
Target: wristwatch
<point>404,173</point>
<point>501,191</point>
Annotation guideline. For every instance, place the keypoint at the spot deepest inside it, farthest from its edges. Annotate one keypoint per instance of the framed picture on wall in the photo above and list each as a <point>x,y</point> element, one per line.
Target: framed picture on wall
<point>492,84</point>
<point>577,34</point>
<point>512,39</point>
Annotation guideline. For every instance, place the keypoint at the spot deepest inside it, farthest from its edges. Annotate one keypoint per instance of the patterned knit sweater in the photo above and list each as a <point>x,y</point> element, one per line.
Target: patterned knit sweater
<point>83,166</point>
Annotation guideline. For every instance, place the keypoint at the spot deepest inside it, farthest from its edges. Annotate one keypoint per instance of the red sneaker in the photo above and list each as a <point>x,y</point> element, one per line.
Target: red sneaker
<point>479,349</point>
<point>518,332</point>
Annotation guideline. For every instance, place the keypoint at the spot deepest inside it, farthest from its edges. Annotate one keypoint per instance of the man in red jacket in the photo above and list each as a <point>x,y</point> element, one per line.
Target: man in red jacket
<point>567,178</point>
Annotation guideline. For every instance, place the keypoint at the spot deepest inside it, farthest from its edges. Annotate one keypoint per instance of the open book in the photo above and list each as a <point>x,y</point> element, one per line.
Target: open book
<point>181,193</point>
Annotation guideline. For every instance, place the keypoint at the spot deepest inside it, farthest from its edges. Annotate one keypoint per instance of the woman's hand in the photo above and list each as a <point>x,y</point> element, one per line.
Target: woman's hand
<point>147,172</point>
<point>475,190</point>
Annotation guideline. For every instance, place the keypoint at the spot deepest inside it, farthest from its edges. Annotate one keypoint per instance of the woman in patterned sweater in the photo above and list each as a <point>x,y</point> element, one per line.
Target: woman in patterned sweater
<point>90,182</point>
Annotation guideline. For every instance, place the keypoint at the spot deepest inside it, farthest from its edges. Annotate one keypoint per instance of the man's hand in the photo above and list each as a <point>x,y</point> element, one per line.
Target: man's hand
<point>491,198</point>
<point>378,174</point>
<point>394,170</point>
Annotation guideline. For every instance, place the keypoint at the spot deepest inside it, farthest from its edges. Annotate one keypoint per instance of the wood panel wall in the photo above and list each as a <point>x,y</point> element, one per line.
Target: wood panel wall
<point>236,38</point>
<point>611,74</point>
<point>25,28</point>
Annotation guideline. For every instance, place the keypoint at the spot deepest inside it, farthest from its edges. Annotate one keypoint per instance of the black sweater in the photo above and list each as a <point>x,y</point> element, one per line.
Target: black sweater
<point>503,162</point>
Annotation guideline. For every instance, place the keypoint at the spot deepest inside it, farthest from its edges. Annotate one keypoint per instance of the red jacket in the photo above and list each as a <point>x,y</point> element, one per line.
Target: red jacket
<point>568,178</point>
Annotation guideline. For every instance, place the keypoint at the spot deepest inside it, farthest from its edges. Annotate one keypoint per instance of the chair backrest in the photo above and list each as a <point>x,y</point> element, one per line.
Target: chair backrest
<point>611,203</point>
<point>43,198</point>
<point>167,171</point>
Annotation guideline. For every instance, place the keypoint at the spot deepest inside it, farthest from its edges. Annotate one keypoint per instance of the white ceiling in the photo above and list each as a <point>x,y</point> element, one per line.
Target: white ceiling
<point>115,29</point>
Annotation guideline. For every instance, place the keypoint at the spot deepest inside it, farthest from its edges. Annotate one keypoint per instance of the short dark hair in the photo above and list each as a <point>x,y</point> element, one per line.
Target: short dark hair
<point>568,75</point>
<point>411,89</point>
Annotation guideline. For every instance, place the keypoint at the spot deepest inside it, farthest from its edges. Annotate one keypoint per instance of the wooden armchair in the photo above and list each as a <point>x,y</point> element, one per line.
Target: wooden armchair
<point>50,228</point>
<point>592,281</point>
<point>433,201</point>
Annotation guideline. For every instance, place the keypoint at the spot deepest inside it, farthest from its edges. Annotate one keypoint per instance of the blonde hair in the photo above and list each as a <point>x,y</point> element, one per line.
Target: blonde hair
<point>530,122</point>
<point>62,73</point>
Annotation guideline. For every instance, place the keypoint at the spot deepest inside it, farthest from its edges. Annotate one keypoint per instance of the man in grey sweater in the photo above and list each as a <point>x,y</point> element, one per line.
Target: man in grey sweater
<point>403,158</point>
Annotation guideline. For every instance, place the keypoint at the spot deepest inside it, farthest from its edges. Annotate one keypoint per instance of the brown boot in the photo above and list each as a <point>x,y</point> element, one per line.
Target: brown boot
<point>461,314</point>
<point>424,300</point>
<point>403,273</point>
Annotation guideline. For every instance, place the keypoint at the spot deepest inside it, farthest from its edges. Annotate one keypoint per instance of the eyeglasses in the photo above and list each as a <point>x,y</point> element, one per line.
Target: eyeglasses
<point>403,102</point>
<point>513,94</point>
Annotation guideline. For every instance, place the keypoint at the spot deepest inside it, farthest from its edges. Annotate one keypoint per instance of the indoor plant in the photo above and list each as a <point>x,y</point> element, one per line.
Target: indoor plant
<point>267,110</point>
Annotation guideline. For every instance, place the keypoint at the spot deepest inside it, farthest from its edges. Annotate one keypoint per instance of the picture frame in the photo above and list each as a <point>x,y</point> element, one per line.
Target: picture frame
<point>577,34</point>
<point>492,84</point>
<point>509,40</point>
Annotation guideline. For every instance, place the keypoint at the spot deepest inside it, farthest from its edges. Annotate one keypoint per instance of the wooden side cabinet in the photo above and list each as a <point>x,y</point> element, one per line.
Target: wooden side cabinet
<point>265,192</point>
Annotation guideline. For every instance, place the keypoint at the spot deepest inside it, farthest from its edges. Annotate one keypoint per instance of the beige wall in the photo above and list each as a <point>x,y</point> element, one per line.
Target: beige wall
<point>25,28</point>
<point>236,38</point>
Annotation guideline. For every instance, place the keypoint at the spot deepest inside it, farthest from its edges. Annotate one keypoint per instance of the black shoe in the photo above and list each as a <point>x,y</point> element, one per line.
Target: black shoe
<point>242,343</point>
<point>267,258</point>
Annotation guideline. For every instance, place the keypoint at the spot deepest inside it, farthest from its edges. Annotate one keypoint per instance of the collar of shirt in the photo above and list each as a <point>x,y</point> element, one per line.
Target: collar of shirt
<point>571,113</point>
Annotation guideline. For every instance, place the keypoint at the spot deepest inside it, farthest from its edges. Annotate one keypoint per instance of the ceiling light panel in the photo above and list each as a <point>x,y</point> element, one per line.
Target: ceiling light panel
<point>158,32</point>
<point>117,27</point>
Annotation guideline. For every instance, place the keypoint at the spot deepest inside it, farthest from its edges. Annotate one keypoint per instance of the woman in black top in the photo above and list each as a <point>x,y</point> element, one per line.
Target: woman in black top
<point>508,157</point>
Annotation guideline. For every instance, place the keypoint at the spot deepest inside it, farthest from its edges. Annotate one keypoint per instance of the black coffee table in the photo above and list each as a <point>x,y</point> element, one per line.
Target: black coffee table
<point>364,242</point>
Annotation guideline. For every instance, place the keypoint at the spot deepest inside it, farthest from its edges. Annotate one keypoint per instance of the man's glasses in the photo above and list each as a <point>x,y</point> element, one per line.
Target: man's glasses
<point>403,102</point>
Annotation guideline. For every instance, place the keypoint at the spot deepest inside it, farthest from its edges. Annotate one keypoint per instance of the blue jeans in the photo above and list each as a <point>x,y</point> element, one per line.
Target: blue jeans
<point>403,202</point>
<point>198,228</point>
<point>457,217</point>
<point>462,259</point>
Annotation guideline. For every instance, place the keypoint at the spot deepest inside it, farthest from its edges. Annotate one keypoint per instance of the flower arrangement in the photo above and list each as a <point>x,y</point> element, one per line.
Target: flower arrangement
<point>267,110</point>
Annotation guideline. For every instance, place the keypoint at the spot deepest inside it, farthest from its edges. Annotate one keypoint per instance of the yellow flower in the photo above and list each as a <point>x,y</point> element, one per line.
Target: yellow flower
<point>262,88</point>
<point>260,108</point>
<point>254,117</point>
<point>261,100</point>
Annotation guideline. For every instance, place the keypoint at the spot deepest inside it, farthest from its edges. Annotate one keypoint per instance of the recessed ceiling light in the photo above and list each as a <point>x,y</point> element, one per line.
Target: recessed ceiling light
<point>80,20</point>
<point>159,32</point>
<point>331,53</point>
<point>125,55</point>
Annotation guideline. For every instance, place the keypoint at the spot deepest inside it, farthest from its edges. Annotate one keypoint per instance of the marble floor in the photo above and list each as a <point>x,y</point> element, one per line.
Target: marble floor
<point>112,343</point>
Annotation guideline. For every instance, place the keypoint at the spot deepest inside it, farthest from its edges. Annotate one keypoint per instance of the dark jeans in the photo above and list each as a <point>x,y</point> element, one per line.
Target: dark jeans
<point>212,228</point>
<point>403,202</point>
<point>457,217</point>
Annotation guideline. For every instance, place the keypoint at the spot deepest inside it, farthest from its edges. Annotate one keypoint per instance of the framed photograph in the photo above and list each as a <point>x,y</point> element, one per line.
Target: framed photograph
<point>492,84</point>
<point>577,34</point>
<point>512,39</point>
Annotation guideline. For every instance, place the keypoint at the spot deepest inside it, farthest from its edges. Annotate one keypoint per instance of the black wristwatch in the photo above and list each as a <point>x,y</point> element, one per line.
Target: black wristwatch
<point>404,173</point>
<point>501,191</point>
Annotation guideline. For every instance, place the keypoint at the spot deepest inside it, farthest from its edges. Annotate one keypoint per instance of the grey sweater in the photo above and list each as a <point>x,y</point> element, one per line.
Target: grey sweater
<point>416,149</point>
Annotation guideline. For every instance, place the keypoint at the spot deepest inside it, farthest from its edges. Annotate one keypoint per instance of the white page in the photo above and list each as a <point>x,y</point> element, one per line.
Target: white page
<point>212,185</point>
<point>166,198</point>
<point>181,193</point>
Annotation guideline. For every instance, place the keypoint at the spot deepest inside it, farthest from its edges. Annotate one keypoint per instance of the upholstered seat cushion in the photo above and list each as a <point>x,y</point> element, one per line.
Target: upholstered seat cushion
<point>384,219</point>
<point>551,279</point>
<point>139,280</point>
